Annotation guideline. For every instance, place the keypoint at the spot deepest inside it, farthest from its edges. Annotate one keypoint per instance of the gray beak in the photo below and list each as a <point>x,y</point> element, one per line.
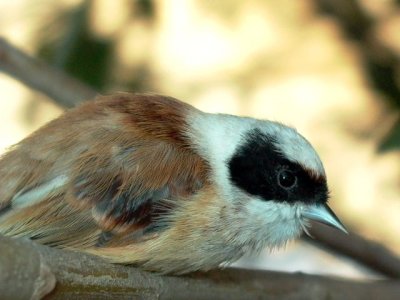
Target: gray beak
<point>323,214</point>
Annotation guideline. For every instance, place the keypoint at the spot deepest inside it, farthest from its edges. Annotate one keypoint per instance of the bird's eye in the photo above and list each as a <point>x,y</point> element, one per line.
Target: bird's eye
<point>286,179</point>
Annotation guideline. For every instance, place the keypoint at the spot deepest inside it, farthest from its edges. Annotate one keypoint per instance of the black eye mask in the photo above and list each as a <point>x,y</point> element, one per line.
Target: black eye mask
<point>260,169</point>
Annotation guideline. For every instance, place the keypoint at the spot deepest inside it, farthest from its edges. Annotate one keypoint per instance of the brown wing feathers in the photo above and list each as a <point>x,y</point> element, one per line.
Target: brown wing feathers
<point>126,159</point>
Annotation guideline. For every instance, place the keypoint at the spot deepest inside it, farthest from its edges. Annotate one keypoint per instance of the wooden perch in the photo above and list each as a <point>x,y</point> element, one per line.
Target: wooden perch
<point>23,271</point>
<point>64,89</point>
<point>369,253</point>
<point>81,276</point>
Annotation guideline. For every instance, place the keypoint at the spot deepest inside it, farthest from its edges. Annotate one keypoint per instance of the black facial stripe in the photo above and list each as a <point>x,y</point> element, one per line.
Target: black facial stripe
<point>255,166</point>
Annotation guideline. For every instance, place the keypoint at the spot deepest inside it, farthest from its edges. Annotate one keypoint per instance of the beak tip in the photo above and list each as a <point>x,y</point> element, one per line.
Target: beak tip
<point>323,214</point>
<point>343,229</point>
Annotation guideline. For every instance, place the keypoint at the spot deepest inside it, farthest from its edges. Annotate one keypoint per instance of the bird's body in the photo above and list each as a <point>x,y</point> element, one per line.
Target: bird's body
<point>150,180</point>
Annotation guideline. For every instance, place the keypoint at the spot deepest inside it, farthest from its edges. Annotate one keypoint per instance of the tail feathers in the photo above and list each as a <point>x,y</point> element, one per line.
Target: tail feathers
<point>52,222</point>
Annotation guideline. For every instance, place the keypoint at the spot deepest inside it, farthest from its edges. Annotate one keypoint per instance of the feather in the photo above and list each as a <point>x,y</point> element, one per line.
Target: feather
<point>99,174</point>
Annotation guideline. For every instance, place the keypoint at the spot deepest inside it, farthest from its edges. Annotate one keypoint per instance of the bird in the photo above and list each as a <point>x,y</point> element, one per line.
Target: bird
<point>151,181</point>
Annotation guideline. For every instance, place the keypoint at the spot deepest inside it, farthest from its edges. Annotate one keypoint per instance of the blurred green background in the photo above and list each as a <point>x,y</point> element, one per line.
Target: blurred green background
<point>329,68</point>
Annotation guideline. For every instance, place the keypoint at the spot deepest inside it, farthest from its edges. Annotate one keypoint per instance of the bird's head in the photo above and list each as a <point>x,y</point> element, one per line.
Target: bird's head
<point>283,179</point>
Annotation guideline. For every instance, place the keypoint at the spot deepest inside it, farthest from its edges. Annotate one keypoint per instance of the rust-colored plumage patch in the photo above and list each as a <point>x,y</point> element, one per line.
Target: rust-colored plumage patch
<point>157,116</point>
<point>316,177</point>
<point>125,158</point>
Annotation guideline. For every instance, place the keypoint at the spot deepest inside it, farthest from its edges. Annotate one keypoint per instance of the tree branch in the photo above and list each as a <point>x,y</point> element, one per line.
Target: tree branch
<point>81,276</point>
<point>369,253</point>
<point>63,89</point>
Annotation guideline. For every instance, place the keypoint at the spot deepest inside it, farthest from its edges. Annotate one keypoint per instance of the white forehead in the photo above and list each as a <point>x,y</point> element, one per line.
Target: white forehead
<point>220,135</point>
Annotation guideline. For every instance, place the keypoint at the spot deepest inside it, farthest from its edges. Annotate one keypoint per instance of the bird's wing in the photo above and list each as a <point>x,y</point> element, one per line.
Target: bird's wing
<point>128,189</point>
<point>121,182</point>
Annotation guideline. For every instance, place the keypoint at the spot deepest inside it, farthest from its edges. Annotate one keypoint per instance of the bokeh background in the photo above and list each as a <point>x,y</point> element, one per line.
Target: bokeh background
<point>329,68</point>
